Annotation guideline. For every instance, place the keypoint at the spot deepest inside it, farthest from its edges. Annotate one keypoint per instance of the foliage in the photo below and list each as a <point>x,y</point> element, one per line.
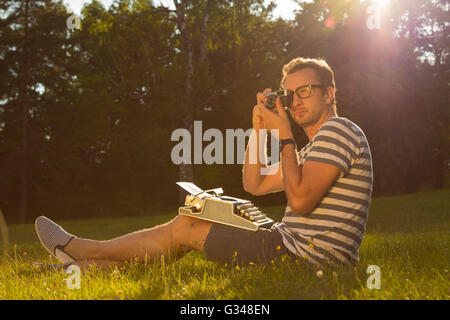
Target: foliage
<point>86,115</point>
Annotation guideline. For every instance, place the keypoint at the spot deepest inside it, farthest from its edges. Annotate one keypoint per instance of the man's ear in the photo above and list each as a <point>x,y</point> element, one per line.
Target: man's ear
<point>329,95</point>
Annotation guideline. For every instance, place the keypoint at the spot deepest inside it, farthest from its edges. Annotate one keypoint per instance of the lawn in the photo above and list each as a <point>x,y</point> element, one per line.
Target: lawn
<point>407,237</point>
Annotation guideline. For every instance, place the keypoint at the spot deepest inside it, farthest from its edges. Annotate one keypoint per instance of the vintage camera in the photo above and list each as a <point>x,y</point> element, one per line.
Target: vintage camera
<point>286,97</point>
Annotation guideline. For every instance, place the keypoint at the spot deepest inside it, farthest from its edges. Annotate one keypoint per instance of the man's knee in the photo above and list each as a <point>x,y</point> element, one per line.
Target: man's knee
<point>190,232</point>
<point>181,222</point>
<point>186,222</point>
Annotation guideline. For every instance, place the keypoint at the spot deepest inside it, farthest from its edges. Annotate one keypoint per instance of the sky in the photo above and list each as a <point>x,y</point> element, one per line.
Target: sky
<point>284,8</point>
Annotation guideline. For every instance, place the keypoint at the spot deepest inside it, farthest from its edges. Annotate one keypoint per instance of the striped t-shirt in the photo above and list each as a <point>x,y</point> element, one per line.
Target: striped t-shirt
<point>332,232</point>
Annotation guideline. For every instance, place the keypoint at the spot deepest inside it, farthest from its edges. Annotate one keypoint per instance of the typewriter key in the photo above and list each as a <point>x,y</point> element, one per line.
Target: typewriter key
<point>245,206</point>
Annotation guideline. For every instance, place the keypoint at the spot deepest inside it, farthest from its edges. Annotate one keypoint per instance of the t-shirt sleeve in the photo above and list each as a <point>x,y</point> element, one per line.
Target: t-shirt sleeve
<point>334,144</point>
<point>301,156</point>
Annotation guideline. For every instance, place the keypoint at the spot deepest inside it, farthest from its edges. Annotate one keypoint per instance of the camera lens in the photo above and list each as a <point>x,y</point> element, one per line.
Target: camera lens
<point>270,102</point>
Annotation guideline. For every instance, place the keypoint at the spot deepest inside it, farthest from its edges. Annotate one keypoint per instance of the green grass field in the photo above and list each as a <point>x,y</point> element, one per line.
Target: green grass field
<point>407,237</point>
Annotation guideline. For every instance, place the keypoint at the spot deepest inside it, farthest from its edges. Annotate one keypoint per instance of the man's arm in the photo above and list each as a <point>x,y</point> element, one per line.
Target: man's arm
<point>253,180</point>
<point>305,185</point>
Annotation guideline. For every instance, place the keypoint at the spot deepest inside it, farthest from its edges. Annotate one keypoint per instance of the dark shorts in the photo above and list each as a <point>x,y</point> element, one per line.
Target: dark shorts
<point>230,244</point>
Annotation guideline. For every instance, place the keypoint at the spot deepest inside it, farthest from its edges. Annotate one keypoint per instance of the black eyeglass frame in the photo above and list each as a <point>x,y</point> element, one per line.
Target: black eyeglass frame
<point>310,89</point>
<point>287,96</point>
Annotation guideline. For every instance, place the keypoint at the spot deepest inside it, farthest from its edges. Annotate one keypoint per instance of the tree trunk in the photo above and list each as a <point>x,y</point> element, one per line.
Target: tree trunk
<point>204,33</point>
<point>23,85</point>
<point>186,171</point>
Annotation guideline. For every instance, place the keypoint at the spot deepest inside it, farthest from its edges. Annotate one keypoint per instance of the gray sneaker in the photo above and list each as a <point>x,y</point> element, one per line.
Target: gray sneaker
<point>53,238</point>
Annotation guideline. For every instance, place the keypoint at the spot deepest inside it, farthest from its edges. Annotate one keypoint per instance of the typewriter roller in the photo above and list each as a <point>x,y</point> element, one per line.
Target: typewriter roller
<point>211,205</point>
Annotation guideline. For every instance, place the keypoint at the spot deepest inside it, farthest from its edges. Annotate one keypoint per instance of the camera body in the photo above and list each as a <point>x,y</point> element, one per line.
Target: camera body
<point>286,97</point>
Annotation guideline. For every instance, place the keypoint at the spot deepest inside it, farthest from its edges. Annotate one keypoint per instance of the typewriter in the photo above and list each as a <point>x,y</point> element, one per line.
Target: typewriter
<point>213,206</point>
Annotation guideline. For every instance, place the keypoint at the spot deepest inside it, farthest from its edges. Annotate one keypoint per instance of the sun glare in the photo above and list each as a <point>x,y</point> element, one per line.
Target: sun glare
<point>381,3</point>
<point>376,2</point>
<point>285,9</point>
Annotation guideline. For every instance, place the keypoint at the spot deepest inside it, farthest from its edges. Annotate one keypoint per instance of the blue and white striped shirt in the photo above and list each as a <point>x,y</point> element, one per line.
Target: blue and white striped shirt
<point>333,231</point>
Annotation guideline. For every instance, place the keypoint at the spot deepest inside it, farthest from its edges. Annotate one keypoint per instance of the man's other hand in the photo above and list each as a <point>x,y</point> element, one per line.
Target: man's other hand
<point>258,121</point>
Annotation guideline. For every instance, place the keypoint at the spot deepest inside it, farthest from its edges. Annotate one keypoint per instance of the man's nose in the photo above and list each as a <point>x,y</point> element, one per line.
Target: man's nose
<point>296,101</point>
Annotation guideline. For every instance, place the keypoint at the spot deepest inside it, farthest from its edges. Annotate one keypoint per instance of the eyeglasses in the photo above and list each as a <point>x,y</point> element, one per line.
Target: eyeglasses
<point>305,91</point>
<point>287,96</point>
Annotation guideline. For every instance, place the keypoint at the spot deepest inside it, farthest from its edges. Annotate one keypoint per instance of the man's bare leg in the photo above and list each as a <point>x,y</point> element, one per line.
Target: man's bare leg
<point>174,238</point>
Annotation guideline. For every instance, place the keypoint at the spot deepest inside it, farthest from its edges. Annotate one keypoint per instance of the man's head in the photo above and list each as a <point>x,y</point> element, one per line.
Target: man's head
<point>312,80</point>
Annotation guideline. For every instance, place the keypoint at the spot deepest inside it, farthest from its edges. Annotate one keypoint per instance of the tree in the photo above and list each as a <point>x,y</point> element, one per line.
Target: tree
<point>32,35</point>
<point>426,24</point>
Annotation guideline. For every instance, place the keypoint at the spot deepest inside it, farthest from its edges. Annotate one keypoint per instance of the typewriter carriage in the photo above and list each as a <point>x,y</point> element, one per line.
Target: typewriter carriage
<point>222,209</point>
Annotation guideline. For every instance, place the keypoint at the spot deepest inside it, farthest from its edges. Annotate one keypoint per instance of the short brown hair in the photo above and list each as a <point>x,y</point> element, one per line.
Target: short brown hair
<point>320,66</point>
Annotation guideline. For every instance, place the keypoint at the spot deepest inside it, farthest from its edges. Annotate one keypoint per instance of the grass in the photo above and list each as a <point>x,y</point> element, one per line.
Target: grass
<point>407,237</point>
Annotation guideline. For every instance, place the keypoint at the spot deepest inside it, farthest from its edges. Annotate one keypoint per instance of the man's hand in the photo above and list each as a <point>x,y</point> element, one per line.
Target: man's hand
<point>253,181</point>
<point>258,122</point>
<point>271,119</point>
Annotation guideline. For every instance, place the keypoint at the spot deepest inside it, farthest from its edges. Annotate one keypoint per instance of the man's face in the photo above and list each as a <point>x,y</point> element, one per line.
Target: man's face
<point>306,112</point>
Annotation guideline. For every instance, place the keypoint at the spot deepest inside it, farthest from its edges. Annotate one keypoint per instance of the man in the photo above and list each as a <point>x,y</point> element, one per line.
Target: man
<point>328,185</point>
